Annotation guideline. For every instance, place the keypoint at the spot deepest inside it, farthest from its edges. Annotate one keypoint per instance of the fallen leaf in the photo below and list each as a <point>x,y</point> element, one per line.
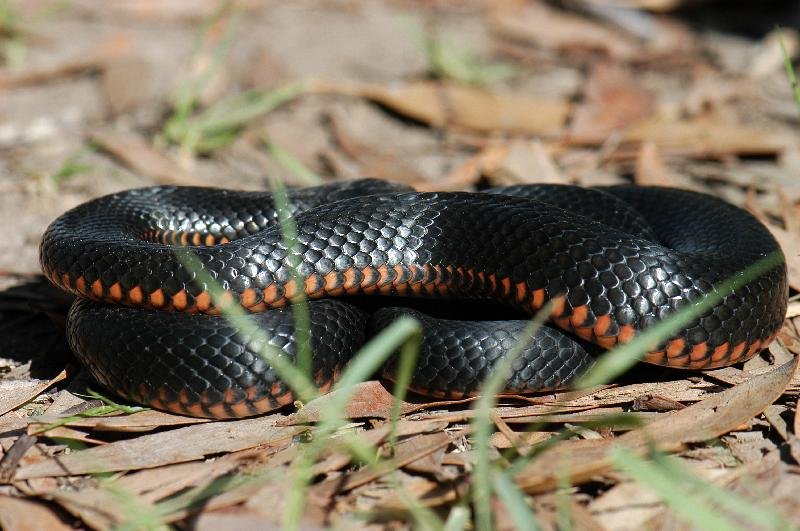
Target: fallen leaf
<point>101,508</point>
<point>154,484</point>
<point>16,393</point>
<point>371,160</point>
<point>142,158</point>
<point>148,420</point>
<point>651,169</point>
<point>469,172</point>
<point>125,83</point>
<point>20,514</point>
<point>525,162</point>
<point>706,137</point>
<point>97,58</point>
<point>12,457</point>
<point>613,100</point>
<point>405,452</point>
<point>447,105</point>
<point>583,459</point>
<point>158,449</point>
<point>370,399</point>
<point>545,27</point>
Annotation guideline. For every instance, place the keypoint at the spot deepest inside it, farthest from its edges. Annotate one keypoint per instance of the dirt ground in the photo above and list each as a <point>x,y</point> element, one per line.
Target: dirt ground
<point>97,97</point>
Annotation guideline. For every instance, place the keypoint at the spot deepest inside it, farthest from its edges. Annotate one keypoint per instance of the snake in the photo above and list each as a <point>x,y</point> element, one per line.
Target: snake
<point>605,263</point>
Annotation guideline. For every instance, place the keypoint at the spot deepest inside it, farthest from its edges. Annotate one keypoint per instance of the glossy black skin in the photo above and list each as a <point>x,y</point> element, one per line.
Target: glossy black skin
<point>652,252</point>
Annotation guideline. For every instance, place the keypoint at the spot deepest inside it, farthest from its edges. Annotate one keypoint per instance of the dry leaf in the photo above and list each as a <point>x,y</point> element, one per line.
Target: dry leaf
<point>613,101</point>
<point>406,452</point>
<point>545,27</point>
<point>148,420</point>
<point>470,171</point>
<point>651,169</point>
<point>372,161</point>
<point>706,137</point>
<point>174,446</point>
<point>714,416</point>
<point>142,158</point>
<point>525,162</point>
<point>16,393</point>
<point>126,83</point>
<point>370,399</point>
<point>19,514</point>
<point>96,58</point>
<point>448,105</point>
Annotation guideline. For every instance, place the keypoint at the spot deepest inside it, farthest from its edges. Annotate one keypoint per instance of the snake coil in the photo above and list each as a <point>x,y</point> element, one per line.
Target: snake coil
<point>610,262</point>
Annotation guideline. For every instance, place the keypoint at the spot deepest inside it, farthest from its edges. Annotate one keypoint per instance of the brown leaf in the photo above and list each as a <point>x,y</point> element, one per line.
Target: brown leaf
<point>20,514</point>
<point>525,162</point>
<point>174,446</point>
<point>94,59</point>
<point>14,397</point>
<point>714,416</point>
<point>125,83</point>
<point>142,158</point>
<point>100,508</point>
<point>370,399</point>
<point>706,137</point>
<point>406,452</point>
<point>148,420</point>
<point>470,171</point>
<point>154,484</point>
<point>545,27</point>
<point>13,456</point>
<point>371,160</point>
<point>788,241</point>
<point>448,105</point>
<point>651,169</point>
<point>613,101</point>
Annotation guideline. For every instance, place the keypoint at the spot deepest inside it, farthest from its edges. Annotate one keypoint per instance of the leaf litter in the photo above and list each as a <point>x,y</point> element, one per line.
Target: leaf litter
<point>595,95</point>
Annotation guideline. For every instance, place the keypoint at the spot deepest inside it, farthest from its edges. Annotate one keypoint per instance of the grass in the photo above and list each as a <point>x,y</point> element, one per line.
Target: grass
<point>73,165</point>
<point>198,130</point>
<point>220,124</point>
<point>16,32</point>
<point>787,63</point>
<point>109,407</point>
<point>301,172</point>
<point>693,500</point>
<point>446,60</point>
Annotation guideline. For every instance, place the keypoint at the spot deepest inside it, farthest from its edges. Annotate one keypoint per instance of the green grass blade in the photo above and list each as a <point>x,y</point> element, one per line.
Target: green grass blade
<point>761,517</point>
<point>691,507</point>
<point>787,64</point>
<point>407,362</point>
<point>300,311</point>
<point>482,422</point>
<point>375,353</point>
<point>368,359</point>
<point>290,162</point>
<point>458,519</point>
<point>300,383</point>
<point>518,509</point>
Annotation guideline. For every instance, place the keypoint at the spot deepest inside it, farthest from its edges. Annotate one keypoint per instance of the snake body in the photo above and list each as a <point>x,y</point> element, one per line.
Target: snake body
<point>608,262</point>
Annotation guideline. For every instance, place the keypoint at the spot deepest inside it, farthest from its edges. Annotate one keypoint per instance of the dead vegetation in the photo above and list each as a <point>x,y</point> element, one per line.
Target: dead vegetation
<point>97,97</point>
